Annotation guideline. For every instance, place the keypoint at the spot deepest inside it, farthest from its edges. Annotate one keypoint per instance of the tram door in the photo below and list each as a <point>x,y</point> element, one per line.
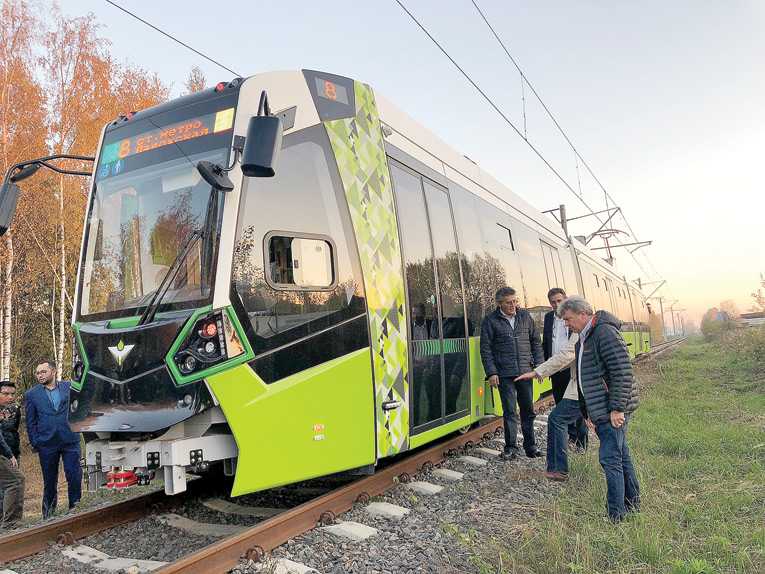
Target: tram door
<point>438,347</point>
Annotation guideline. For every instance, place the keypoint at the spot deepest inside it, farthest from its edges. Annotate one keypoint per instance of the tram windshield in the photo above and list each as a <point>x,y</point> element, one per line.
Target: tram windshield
<point>147,200</point>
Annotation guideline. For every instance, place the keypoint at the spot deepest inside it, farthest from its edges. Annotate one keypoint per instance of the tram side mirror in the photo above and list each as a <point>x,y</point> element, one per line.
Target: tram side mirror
<point>215,175</point>
<point>9,195</point>
<point>262,147</point>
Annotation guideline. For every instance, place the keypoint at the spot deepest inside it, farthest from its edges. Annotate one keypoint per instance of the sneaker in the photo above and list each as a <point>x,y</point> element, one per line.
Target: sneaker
<point>556,476</point>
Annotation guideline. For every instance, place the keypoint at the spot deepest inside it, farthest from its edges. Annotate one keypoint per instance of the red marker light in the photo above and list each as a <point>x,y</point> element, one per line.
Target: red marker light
<point>210,330</point>
<point>220,86</point>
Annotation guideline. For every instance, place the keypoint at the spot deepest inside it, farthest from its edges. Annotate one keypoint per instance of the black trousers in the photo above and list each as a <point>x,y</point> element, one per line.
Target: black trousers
<point>577,430</point>
<point>522,392</point>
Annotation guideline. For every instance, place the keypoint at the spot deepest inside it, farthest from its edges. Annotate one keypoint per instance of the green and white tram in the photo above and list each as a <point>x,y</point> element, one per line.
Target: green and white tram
<point>303,324</point>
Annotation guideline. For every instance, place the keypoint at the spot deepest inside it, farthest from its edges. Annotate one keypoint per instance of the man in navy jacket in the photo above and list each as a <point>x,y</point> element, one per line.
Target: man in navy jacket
<point>47,409</point>
<point>510,346</point>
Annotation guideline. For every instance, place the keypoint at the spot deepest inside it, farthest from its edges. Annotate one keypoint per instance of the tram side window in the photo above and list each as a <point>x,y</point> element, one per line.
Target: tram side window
<point>292,262</point>
<point>533,266</point>
<point>551,259</point>
<point>482,270</point>
<point>300,262</point>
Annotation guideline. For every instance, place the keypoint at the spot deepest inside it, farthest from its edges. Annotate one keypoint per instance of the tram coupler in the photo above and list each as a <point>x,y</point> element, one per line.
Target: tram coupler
<point>121,479</point>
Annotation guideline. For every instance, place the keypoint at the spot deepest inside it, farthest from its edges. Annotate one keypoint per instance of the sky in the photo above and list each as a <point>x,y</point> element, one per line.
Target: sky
<point>663,100</point>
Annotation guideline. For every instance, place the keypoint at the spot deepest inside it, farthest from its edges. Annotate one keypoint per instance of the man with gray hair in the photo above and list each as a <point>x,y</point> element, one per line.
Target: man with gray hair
<point>510,345</point>
<point>607,395</point>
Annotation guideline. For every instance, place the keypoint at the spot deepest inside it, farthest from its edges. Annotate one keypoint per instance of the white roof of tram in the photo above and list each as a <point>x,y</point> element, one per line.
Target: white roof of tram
<point>422,144</point>
<point>289,88</point>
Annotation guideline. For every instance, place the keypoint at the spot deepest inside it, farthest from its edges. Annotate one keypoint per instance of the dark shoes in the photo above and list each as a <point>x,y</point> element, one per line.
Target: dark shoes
<point>556,476</point>
<point>534,453</point>
<point>510,454</point>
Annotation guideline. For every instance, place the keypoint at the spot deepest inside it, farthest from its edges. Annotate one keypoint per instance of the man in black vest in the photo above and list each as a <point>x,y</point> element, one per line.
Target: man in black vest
<point>510,346</point>
<point>554,338</point>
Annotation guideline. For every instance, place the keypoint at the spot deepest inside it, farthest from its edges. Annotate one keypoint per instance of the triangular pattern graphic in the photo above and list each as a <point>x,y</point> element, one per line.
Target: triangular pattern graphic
<point>359,149</point>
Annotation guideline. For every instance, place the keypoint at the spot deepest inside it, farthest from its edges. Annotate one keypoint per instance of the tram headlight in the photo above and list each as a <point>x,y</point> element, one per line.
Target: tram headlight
<point>212,340</point>
<point>189,364</point>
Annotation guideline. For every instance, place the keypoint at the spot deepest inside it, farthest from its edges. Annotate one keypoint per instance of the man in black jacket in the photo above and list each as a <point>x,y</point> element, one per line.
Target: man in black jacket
<point>607,395</point>
<point>11,479</point>
<point>554,337</point>
<point>510,346</point>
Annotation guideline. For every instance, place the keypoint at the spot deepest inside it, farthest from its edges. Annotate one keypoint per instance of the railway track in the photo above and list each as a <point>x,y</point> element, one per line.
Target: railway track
<point>255,542</point>
<point>661,348</point>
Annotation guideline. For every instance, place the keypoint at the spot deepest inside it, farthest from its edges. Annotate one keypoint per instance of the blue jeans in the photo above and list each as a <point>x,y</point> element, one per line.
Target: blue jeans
<point>577,430</point>
<point>523,392</point>
<point>622,489</point>
<point>49,459</point>
<point>564,414</point>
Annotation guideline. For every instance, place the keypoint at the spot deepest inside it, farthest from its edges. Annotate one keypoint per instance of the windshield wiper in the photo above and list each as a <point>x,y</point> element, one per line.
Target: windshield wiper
<point>159,294</point>
<point>205,233</point>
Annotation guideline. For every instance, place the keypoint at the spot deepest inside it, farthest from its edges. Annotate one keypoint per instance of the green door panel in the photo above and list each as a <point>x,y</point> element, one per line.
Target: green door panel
<point>360,153</point>
<point>313,423</point>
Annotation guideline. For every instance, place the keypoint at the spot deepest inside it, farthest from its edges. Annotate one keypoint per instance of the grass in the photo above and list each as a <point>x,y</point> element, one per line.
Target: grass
<point>698,440</point>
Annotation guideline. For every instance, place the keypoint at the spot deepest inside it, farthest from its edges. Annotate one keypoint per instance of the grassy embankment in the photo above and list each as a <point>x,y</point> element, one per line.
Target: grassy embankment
<point>698,440</point>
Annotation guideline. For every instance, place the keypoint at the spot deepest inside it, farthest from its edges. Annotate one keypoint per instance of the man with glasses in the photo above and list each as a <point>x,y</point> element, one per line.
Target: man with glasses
<point>11,479</point>
<point>510,346</point>
<point>47,408</point>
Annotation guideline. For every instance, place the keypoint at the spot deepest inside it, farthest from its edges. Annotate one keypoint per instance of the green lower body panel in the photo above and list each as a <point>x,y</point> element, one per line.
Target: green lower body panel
<point>438,432</point>
<point>316,422</point>
<point>633,343</point>
<point>637,342</point>
<point>483,395</point>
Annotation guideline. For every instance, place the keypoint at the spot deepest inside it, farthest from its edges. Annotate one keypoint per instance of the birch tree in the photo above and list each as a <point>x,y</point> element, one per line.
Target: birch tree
<point>21,136</point>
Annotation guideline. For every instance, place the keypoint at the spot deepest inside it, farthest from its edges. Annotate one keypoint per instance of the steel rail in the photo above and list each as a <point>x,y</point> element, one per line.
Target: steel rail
<point>660,348</point>
<point>224,555</point>
<point>69,528</point>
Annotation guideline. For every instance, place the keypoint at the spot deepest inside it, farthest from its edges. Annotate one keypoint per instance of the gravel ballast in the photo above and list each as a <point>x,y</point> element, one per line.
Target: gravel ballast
<point>491,501</point>
<point>495,501</point>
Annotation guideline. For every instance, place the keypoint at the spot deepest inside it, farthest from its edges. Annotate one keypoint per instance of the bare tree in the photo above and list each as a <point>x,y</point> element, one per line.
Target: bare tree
<point>196,81</point>
<point>729,306</point>
<point>758,296</point>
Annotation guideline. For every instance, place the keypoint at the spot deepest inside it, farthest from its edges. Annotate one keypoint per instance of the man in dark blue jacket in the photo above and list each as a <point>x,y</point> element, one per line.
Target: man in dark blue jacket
<point>47,409</point>
<point>608,395</point>
<point>510,345</point>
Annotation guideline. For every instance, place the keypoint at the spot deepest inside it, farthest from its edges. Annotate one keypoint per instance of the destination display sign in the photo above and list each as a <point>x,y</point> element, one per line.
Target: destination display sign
<point>213,123</point>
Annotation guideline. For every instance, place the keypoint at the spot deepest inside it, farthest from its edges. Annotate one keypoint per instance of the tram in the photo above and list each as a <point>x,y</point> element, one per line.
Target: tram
<point>296,293</point>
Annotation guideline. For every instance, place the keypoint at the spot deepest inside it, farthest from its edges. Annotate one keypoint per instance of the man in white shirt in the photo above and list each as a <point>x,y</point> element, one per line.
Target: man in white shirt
<point>554,339</point>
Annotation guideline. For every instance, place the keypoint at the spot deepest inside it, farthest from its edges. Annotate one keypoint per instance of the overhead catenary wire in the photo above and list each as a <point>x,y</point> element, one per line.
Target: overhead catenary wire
<point>577,155</point>
<point>173,38</point>
<point>497,109</point>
